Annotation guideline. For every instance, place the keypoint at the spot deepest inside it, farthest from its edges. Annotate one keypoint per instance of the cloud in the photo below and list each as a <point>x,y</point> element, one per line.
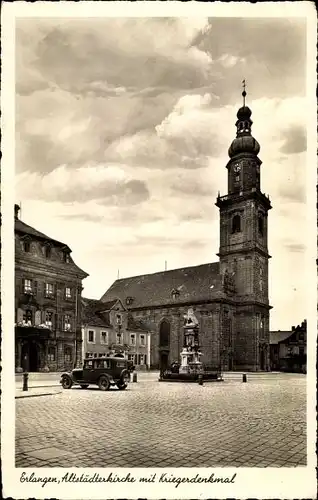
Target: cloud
<point>72,53</point>
<point>107,185</point>
<point>228,60</point>
<point>295,247</point>
<point>295,140</point>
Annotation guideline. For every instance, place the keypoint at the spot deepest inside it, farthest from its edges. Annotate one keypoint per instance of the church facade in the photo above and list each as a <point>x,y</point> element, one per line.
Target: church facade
<point>229,297</point>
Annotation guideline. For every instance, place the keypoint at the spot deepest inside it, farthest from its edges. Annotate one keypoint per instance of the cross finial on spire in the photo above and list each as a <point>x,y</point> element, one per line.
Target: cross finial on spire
<point>244,91</point>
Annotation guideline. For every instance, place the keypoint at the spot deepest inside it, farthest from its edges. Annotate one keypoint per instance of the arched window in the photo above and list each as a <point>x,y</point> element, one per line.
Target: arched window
<point>164,334</point>
<point>261,225</point>
<point>236,224</point>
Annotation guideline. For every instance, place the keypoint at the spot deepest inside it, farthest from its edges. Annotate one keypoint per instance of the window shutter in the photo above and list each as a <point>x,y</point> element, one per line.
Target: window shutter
<point>139,359</point>
<point>145,359</point>
<point>37,318</point>
<point>20,316</point>
<point>35,287</point>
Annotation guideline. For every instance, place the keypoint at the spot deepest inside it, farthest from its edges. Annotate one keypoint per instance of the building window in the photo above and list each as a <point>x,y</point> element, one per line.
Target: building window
<point>164,334</point>
<point>104,337</point>
<point>118,319</point>
<point>27,246</point>
<point>68,354</point>
<point>51,354</point>
<point>258,321</point>
<point>27,317</point>
<point>66,257</point>
<point>91,336</point>
<point>28,286</point>
<point>47,251</point>
<point>68,293</point>
<point>131,357</point>
<point>236,224</point>
<point>141,359</point>
<point>49,319</point>
<point>67,323</point>
<point>49,290</point>
<point>142,340</point>
<point>119,338</point>
<point>132,339</point>
<point>175,294</point>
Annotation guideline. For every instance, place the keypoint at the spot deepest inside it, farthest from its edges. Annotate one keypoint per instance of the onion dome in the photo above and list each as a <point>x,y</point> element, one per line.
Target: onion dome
<point>244,113</point>
<point>244,144</point>
<point>244,141</point>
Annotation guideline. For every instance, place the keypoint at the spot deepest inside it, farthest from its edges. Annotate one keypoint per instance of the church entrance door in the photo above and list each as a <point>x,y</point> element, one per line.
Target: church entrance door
<point>163,361</point>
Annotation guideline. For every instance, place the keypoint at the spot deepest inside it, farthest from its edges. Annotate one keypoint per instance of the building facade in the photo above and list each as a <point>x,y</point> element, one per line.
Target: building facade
<point>108,329</point>
<point>229,297</point>
<point>288,349</point>
<point>48,287</point>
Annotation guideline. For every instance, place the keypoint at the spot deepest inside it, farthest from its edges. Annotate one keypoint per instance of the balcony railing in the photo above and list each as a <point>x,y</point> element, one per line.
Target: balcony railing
<point>30,324</point>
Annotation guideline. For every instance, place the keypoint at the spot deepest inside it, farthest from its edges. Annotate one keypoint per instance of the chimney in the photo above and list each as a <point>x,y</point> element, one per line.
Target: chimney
<point>293,328</point>
<point>16,211</point>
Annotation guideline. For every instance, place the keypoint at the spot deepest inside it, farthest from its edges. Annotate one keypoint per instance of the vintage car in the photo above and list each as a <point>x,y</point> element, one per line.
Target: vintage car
<point>104,372</point>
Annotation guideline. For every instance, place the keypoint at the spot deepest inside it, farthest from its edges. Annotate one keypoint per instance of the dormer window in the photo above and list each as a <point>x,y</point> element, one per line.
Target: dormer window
<point>175,294</point>
<point>27,245</point>
<point>118,319</point>
<point>47,251</point>
<point>236,224</point>
<point>66,257</point>
<point>129,300</point>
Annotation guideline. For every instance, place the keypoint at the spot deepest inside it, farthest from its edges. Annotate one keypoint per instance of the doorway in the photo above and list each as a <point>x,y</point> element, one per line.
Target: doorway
<point>231,362</point>
<point>163,364</point>
<point>262,359</point>
<point>30,357</point>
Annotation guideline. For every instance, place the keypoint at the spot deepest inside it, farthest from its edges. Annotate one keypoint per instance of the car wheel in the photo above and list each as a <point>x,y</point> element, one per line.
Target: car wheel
<point>124,380</point>
<point>104,383</point>
<point>84,386</point>
<point>67,382</point>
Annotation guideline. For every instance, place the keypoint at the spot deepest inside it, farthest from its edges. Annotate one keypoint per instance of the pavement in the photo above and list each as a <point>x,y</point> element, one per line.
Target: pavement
<point>261,423</point>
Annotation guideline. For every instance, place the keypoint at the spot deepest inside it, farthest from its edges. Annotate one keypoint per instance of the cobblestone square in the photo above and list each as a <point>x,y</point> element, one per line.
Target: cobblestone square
<point>261,423</point>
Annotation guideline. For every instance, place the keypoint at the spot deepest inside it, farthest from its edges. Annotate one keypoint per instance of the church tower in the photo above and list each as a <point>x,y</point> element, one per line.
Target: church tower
<point>243,249</point>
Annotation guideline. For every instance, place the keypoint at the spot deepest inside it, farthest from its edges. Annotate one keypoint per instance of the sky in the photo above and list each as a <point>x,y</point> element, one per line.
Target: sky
<point>122,133</point>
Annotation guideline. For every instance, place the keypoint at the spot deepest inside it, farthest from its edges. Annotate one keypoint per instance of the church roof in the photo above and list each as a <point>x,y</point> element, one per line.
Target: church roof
<point>188,284</point>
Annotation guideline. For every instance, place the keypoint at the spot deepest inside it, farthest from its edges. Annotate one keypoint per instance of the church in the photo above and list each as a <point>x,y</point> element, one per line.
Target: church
<point>229,297</point>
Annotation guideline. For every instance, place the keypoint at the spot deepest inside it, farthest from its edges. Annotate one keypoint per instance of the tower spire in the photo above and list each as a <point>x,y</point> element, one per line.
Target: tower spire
<point>244,91</point>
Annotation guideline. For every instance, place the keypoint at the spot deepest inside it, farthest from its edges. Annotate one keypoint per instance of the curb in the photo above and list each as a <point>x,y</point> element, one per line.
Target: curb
<point>37,395</point>
<point>45,385</point>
